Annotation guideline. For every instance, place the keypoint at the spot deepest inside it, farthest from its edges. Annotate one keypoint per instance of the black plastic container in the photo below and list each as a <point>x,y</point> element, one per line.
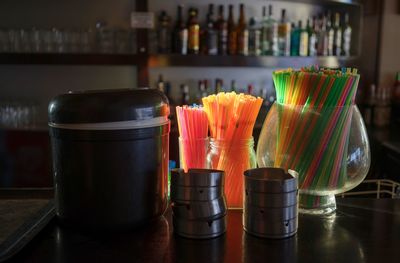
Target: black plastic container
<point>110,157</point>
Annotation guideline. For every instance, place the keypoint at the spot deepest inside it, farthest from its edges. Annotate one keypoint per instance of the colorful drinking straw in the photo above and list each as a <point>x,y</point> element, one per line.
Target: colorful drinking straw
<point>231,119</point>
<point>315,108</point>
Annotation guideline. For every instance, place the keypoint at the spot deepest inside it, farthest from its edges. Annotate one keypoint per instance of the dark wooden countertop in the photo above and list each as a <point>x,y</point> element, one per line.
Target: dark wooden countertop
<point>362,230</point>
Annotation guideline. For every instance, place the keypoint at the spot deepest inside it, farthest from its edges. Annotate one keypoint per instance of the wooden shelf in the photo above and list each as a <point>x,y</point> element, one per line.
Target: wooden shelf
<point>172,60</point>
<point>71,59</point>
<point>246,61</point>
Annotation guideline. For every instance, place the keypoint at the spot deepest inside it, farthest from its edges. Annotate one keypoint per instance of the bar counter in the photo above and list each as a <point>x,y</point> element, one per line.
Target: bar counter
<point>361,230</point>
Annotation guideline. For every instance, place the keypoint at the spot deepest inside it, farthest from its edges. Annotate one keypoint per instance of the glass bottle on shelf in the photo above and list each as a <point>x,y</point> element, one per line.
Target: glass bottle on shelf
<point>222,32</point>
<point>185,96</point>
<point>337,37</point>
<point>161,83</point>
<point>369,105</point>
<point>346,36</point>
<point>242,33</point>
<point>331,33</point>
<point>250,89</point>
<point>284,30</point>
<point>210,46</point>
<point>295,39</point>
<point>312,38</point>
<point>205,93</point>
<point>232,33</point>
<point>202,91</point>
<point>180,36</point>
<point>382,110</point>
<point>164,33</point>
<point>304,38</point>
<point>269,36</point>
<point>219,83</point>
<point>322,49</point>
<point>233,85</point>
<point>254,38</point>
<point>169,97</point>
<point>194,32</point>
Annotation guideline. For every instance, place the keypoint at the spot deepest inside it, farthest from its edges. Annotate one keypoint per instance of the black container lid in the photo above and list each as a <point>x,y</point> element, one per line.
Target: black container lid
<point>148,106</point>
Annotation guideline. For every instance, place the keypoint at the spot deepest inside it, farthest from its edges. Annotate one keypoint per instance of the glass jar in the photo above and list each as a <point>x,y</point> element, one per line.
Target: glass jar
<point>327,146</point>
<point>233,157</point>
<point>193,153</point>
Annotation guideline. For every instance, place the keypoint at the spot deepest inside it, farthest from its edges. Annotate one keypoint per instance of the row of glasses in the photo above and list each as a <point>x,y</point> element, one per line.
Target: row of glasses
<point>56,40</point>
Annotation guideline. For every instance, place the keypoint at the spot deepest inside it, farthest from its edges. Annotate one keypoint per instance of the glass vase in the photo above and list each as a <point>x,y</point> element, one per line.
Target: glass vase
<point>327,146</point>
<point>233,157</point>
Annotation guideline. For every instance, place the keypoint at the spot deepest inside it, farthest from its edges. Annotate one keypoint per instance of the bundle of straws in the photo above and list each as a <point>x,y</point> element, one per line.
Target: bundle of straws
<point>315,110</point>
<point>193,133</point>
<point>231,119</point>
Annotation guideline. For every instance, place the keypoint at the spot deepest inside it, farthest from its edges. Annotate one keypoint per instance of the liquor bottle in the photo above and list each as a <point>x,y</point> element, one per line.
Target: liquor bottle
<point>205,94</point>
<point>232,33</point>
<point>312,38</point>
<point>331,33</point>
<point>250,89</point>
<point>233,85</point>
<point>210,40</point>
<point>202,91</point>
<point>194,32</point>
<point>284,29</point>
<point>168,94</point>
<point>161,83</point>
<point>382,109</point>
<point>346,36</point>
<point>222,32</point>
<point>164,33</point>
<point>369,105</point>
<point>242,34</point>
<point>337,37</point>
<point>254,38</point>
<point>263,94</point>
<point>219,83</point>
<point>185,96</point>
<point>322,49</point>
<point>295,39</point>
<point>304,38</point>
<point>180,35</point>
<point>269,31</point>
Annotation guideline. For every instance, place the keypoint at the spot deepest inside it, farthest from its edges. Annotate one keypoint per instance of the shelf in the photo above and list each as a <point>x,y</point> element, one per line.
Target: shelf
<point>172,60</point>
<point>246,61</point>
<point>322,2</point>
<point>71,59</point>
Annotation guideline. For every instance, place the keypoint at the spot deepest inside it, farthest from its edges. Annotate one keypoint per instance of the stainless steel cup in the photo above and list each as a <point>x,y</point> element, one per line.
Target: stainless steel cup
<point>270,180</point>
<point>271,213</point>
<point>199,229</point>
<point>270,202</point>
<point>197,178</point>
<point>193,193</point>
<point>200,210</point>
